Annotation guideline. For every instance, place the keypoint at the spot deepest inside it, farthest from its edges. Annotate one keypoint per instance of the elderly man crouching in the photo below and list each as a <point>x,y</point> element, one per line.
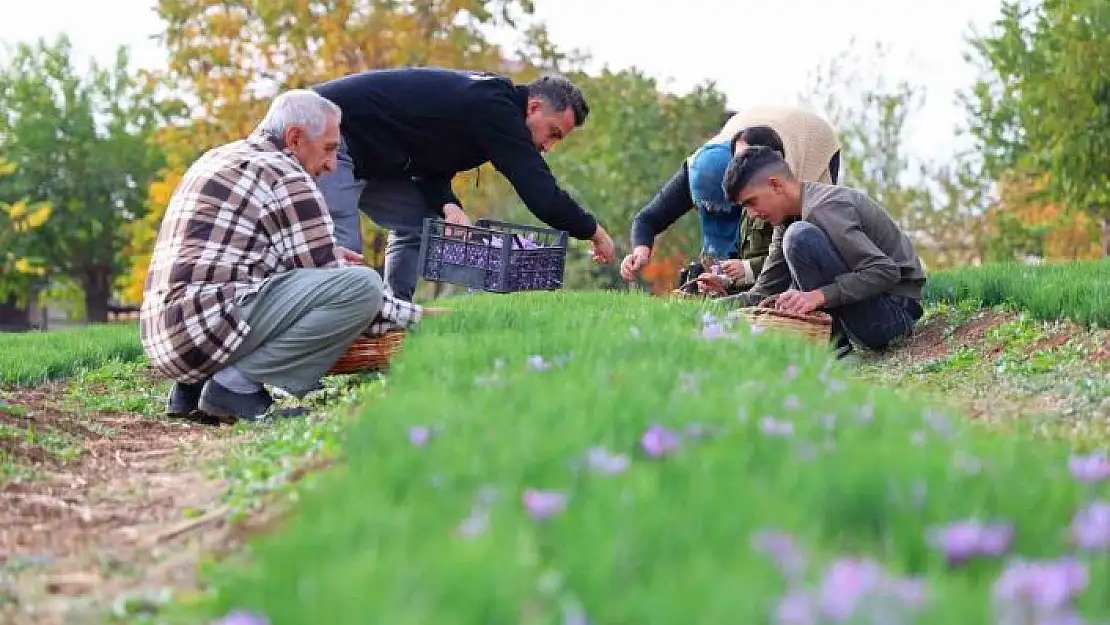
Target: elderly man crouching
<point>247,285</point>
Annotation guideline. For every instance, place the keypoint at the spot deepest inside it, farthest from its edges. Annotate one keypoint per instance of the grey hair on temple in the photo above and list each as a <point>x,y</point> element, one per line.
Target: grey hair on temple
<point>299,107</point>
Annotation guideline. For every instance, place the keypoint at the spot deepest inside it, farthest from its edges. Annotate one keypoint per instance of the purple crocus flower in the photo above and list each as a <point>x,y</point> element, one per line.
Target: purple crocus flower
<point>711,329</point>
<point>796,608</point>
<point>1090,469</point>
<point>242,617</point>
<point>773,427</point>
<point>791,402</point>
<point>964,540</point>
<point>846,583</point>
<point>1041,587</point>
<point>781,547</point>
<point>1090,529</point>
<point>601,460</point>
<point>537,363</point>
<point>659,441</point>
<point>419,435</point>
<point>541,504</point>
<point>475,524</point>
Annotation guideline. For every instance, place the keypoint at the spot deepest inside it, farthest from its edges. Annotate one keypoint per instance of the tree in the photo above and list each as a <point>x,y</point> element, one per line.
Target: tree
<point>1042,105</point>
<point>22,271</point>
<point>79,142</point>
<point>941,206</point>
<point>227,59</point>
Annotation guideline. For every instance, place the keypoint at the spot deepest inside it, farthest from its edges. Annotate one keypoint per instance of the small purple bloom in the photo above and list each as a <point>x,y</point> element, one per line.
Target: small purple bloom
<point>1090,529</point>
<point>773,427</point>
<point>537,363</point>
<point>475,524</point>
<point>601,460</point>
<point>1090,469</point>
<point>419,435</point>
<point>847,582</point>
<point>781,547</point>
<point>966,539</point>
<point>791,402</point>
<point>658,441</point>
<point>242,617</point>
<point>791,373</point>
<point>1041,586</point>
<point>828,420</point>
<point>541,504</point>
<point>795,609</point>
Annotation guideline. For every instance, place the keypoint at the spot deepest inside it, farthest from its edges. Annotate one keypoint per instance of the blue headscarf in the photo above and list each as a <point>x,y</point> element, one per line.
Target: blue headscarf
<point>720,218</point>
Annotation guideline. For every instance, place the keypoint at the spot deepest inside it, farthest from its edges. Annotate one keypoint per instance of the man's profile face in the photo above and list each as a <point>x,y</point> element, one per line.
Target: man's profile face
<point>547,126</point>
<point>316,154</point>
<point>764,200</point>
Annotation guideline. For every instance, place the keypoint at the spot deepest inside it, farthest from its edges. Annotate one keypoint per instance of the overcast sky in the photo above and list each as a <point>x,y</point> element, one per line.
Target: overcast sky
<point>741,44</point>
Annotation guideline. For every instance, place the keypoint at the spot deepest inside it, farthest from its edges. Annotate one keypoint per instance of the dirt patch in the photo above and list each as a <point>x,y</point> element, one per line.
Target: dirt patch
<point>133,508</point>
<point>935,338</point>
<point>928,341</point>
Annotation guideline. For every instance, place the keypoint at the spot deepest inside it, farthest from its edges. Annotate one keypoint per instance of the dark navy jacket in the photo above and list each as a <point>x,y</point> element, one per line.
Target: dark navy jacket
<point>428,124</point>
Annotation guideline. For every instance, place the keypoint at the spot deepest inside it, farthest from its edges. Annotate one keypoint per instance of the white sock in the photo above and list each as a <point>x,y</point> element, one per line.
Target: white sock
<point>233,380</point>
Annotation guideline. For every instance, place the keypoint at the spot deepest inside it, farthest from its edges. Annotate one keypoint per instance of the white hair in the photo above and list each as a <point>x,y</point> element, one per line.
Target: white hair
<point>299,107</point>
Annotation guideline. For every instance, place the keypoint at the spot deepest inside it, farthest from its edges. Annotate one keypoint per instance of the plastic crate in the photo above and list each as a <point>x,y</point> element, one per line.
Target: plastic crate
<point>493,256</point>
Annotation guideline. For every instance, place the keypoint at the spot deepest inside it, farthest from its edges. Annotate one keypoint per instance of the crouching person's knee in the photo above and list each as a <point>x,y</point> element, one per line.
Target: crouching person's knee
<point>363,288</point>
<point>801,237</point>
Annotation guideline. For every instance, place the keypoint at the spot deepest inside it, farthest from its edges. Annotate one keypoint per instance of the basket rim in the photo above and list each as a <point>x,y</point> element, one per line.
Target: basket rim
<point>816,317</point>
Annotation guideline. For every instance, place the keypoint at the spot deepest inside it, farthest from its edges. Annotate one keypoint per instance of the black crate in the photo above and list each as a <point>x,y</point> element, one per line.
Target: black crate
<point>492,256</point>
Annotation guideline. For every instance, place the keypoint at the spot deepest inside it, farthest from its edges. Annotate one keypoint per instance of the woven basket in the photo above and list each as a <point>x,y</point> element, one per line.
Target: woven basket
<point>816,325</point>
<point>369,353</point>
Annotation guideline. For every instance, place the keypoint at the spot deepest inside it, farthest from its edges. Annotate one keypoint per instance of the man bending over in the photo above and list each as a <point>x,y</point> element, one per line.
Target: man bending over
<point>833,248</point>
<point>246,283</point>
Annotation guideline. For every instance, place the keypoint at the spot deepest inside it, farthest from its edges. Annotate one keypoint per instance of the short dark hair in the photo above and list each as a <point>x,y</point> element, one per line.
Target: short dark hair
<point>746,165</point>
<point>560,93</point>
<point>758,135</point>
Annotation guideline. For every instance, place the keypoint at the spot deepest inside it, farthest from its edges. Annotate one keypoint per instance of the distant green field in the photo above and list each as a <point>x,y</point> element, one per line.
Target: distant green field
<point>572,458</point>
<point>1078,291</point>
<point>33,357</point>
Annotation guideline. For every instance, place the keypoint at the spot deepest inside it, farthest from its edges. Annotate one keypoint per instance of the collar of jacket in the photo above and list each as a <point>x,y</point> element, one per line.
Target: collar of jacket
<point>520,96</point>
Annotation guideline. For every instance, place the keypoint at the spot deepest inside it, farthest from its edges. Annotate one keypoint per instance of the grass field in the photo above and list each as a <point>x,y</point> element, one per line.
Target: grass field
<point>33,357</point>
<point>553,457</point>
<point>1078,291</point>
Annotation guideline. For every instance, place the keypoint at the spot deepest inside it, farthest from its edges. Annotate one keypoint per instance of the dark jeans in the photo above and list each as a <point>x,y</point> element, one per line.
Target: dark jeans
<point>396,205</point>
<point>815,262</point>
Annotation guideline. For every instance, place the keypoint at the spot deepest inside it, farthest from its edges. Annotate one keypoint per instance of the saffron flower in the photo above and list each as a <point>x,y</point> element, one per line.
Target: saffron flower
<point>419,435</point>
<point>1090,529</point>
<point>659,441</point>
<point>965,540</point>
<point>542,504</point>
<point>242,617</point>
<point>601,460</point>
<point>1090,469</point>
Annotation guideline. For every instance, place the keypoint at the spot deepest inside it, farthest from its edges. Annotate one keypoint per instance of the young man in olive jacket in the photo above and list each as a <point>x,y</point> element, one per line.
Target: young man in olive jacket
<point>407,132</point>
<point>834,248</point>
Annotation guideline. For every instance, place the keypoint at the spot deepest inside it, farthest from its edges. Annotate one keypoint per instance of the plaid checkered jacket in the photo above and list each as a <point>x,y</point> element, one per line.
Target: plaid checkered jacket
<point>242,213</point>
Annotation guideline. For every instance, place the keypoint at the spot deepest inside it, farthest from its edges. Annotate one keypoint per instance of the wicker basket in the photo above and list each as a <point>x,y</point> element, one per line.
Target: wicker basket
<point>815,325</point>
<point>369,353</point>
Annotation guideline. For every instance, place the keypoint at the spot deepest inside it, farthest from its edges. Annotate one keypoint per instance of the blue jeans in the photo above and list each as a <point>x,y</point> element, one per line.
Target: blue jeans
<point>814,262</point>
<point>394,204</point>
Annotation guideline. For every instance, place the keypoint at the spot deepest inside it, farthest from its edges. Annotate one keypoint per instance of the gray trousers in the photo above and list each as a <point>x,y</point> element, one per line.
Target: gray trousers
<point>301,323</point>
<point>395,204</point>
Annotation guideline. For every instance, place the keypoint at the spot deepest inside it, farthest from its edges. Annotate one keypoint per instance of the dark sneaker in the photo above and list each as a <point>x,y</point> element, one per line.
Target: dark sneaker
<point>184,400</point>
<point>217,401</point>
